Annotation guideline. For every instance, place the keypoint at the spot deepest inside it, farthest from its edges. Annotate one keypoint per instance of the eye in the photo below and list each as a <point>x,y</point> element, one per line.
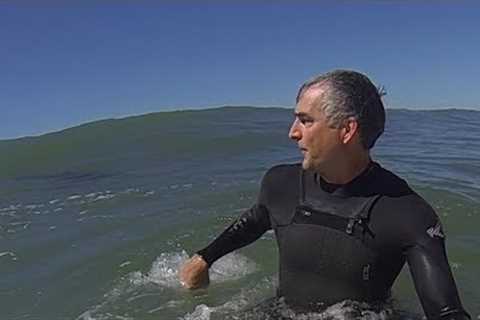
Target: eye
<point>306,121</point>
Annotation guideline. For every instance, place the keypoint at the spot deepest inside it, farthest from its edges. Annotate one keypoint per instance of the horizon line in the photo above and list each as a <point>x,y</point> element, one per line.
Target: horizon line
<point>176,109</point>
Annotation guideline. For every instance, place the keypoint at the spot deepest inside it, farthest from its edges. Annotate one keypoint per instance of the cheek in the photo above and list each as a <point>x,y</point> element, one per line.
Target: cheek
<point>314,139</point>
<point>310,136</point>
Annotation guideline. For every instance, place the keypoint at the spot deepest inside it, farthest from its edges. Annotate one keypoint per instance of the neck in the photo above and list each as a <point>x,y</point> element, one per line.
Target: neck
<point>343,172</point>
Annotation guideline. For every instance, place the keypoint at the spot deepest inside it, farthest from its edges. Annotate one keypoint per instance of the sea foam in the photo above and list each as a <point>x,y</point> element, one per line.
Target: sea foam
<point>164,270</point>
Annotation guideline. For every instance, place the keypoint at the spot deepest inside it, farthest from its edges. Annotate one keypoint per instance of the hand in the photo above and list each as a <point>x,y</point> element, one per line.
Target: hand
<point>193,274</point>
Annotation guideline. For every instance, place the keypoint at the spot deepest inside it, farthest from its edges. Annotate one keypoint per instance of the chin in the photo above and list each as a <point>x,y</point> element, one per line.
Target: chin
<point>306,165</point>
<point>312,166</point>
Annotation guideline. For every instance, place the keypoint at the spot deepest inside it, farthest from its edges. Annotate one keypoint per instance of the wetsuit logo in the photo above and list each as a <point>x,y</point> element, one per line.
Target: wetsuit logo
<point>436,231</point>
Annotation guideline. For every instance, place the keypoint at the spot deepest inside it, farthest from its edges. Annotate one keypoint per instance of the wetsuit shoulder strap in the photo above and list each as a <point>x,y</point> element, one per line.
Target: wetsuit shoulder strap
<point>362,218</point>
<point>367,207</point>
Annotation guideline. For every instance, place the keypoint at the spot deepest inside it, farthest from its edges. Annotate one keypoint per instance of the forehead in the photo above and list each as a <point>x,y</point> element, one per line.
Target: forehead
<point>313,100</point>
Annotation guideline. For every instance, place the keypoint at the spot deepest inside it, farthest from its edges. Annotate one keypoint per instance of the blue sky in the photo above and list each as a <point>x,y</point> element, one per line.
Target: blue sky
<point>62,65</point>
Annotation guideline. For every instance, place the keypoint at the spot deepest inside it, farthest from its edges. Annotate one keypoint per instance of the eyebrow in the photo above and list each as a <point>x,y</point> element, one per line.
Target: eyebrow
<point>302,114</point>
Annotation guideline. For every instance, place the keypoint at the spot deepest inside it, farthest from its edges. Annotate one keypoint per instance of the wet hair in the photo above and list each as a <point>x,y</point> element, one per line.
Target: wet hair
<point>351,94</point>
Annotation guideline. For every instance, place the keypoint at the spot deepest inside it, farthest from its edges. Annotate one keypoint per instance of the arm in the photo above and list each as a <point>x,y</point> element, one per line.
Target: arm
<point>429,267</point>
<point>246,229</point>
<point>434,281</point>
<point>249,227</point>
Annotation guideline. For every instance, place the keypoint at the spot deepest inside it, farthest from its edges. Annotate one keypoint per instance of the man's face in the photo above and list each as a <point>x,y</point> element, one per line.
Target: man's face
<point>319,143</point>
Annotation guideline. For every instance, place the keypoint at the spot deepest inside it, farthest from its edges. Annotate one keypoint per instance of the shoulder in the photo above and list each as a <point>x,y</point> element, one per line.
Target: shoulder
<point>280,183</point>
<point>399,196</point>
<point>401,211</point>
<point>409,218</point>
<point>410,206</point>
<point>282,173</point>
<point>388,183</point>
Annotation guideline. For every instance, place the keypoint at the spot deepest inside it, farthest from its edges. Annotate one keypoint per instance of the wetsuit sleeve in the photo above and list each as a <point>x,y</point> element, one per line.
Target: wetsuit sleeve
<point>250,226</point>
<point>428,263</point>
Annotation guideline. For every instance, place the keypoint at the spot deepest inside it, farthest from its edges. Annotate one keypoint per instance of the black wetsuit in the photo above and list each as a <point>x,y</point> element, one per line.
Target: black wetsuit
<point>350,241</point>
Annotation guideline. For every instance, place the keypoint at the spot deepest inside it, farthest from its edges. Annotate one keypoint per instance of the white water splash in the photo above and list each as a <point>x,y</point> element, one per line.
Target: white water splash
<point>124,264</point>
<point>11,208</point>
<point>11,254</point>
<point>88,316</point>
<point>346,310</point>
<point>278,309</point>
<point>231,267</point>
<point>104,197</point>
<point>246,297</point>
<point>201,312</point>
<point>164,270</point>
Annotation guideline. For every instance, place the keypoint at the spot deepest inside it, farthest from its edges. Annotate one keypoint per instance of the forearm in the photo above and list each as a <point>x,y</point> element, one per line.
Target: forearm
<point>435,284</point>
<point>250,226</point>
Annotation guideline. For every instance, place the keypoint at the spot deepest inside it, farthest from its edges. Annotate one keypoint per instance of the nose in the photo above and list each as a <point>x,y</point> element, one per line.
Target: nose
<point>295,133</point>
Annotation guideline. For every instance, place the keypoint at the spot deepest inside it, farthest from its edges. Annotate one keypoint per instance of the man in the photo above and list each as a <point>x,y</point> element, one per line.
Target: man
<point>344,225</point>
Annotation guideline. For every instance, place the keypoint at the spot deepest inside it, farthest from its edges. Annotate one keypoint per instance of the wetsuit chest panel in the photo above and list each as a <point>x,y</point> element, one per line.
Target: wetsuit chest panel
<point>310,263</point>
<point>309,247</point>
<point>323,254</point>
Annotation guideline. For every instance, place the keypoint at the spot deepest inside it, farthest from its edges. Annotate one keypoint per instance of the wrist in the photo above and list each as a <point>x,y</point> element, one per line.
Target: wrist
<point>203,254</point>
<point>199,259</point>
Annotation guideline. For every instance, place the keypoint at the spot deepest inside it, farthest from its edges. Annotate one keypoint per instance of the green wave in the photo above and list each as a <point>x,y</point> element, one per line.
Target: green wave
<point>102,145</point>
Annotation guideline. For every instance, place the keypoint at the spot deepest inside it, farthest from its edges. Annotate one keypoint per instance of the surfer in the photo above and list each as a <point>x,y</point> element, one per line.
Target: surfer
<point>344,225</point>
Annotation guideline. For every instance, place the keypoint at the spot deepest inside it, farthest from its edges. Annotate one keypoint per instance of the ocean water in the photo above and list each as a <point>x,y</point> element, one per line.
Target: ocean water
<point>96,219</point>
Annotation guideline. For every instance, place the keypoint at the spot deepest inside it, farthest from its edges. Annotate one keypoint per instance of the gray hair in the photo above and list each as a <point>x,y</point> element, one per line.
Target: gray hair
<point>351,94</point>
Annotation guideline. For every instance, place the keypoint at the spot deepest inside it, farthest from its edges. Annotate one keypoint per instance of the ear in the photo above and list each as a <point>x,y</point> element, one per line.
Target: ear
<point>349,130</point>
